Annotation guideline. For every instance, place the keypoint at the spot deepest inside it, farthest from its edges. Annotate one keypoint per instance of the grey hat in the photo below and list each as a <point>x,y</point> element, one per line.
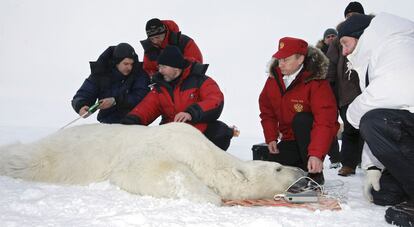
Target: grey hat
<point>330,31</point>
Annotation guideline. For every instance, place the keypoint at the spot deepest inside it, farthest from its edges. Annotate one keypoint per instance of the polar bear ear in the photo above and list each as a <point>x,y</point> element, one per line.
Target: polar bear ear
<point>239,174</point>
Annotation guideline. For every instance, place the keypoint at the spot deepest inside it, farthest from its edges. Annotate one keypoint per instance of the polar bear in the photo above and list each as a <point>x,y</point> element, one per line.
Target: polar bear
<point>169,161</point>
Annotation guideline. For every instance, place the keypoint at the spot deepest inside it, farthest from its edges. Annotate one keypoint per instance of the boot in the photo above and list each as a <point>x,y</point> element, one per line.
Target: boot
<point>401,214</point>
<point>346,171</point>
<point>318,177</point>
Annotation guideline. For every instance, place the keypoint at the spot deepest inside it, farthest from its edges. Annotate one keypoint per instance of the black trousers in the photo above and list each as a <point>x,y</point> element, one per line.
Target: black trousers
<point>220,134</point>
<point>390,136</point>
<point>295,152</point>
<point>352,143</point>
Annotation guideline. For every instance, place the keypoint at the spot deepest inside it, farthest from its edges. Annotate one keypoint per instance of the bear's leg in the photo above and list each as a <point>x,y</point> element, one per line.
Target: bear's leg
<point>160,178</point>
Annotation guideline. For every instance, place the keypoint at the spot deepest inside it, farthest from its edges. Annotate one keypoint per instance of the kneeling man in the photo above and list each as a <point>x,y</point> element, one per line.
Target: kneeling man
<point>384,111</point>
<point>183,93</point>
<point>298,107</point>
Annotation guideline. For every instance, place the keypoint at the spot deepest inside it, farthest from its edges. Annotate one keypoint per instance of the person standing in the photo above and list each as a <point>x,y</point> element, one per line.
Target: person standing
<point>345,84</point>
<point>329,35</point>
<point>298,107</point>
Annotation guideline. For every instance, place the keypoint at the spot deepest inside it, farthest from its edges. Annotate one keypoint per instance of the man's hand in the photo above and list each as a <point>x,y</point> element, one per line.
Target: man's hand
<point>182,117</point>
<point>372,179</point>
<point>106,103</point>
<point>84,110</point>
<point>315,165</point>
<point>273,147</point>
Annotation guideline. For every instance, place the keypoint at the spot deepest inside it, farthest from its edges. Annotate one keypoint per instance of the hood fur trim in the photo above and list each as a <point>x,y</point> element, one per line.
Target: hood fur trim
<point>316,63</point>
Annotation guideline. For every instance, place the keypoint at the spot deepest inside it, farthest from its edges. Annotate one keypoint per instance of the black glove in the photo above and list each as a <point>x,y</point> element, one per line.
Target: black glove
<point>131,120</point>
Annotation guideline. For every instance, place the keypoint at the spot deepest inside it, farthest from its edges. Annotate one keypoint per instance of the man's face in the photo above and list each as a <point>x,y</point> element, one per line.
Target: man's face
<point>125,66</point>
<point>329,38</point>
<point>169,73</point>
<point>290,64</point>
<point>348,45</point>
<point>157,39</point>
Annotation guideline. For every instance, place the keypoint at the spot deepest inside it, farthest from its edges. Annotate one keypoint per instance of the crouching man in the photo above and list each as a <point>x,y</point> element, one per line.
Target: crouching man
<point>183,93</point>
<point>298,104</point>
<point>384,111</point>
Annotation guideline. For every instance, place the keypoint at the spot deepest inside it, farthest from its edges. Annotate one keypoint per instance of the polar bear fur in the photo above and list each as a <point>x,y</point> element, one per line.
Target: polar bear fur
<point>170,161</point>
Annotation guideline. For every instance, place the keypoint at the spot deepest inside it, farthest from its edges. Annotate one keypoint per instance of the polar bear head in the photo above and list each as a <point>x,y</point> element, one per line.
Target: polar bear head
<point>261,180</point>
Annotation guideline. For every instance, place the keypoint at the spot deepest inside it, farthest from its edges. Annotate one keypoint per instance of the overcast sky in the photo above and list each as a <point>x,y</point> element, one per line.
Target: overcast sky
<point>45,46</point>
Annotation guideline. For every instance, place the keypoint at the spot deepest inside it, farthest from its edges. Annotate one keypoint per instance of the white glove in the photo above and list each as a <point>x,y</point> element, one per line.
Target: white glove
<point>372,180</point>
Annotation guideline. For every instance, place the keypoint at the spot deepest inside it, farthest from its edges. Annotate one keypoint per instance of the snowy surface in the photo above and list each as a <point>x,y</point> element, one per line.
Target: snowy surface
<point>25,203</point>
<point>45,47</point>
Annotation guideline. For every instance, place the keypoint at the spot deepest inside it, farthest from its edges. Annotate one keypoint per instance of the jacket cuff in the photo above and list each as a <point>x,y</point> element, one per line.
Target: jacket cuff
<point>195,112</point>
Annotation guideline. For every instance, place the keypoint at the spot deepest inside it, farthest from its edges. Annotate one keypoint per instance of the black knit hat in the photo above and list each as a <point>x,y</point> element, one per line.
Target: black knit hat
<point>172,56</point>
<point>123,50</point>
<point>354,7</point>
<point>155,27</point>
<point>354,26</point>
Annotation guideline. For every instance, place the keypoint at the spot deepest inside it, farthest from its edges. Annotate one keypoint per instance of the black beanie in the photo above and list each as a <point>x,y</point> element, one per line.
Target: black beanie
<point>354,26</point>
<point>154,27</point>
<point>354,7</point>
<point>123,50</point>
<point>171,56</point>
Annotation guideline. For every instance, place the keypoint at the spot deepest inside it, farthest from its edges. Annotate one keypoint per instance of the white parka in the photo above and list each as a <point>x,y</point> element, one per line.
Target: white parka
<point>386,50</point>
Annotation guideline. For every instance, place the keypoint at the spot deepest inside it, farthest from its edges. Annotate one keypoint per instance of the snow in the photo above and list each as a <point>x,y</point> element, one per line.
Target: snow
<point>25,203</point>
<point>45,48</point>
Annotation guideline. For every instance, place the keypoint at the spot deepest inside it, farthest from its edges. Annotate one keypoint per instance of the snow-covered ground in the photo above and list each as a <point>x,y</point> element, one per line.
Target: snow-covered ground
<point>25,203</point>
<point>45,46</point>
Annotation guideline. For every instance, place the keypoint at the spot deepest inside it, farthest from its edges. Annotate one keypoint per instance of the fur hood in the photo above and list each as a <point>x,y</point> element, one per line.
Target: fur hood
<point>316,63</point>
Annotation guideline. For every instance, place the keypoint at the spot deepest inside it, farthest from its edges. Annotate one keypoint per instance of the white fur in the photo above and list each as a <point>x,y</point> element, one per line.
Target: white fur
<point>173,161</point>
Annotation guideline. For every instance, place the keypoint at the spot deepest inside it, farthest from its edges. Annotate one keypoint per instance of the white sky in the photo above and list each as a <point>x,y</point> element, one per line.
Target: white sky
<point>45,46</point>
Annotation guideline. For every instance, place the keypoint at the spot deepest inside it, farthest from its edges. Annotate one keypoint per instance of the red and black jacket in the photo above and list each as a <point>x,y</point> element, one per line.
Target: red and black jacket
<point>188,47</point>
<point>193,92</point>
<point>309,92</point>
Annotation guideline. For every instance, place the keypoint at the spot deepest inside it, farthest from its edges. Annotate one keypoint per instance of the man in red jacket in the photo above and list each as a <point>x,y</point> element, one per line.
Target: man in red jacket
<point>183,93</point>
<point>298,107</point>
<point>163,33</point>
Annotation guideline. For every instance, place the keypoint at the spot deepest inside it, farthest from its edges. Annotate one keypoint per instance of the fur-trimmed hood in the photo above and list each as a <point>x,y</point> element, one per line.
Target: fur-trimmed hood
<point>316,63</point>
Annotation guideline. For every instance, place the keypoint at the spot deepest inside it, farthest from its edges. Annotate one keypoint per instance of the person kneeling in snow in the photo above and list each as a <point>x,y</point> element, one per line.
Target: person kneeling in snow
<point>183,93</point>
<point>380,49</point>
<point>298,103</point>
<point>117,80</point>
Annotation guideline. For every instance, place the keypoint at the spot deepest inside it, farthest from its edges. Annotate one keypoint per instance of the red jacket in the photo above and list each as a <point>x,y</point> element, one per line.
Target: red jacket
<point>188,47</point>
<point>309,92</point>
<point>194,93</point>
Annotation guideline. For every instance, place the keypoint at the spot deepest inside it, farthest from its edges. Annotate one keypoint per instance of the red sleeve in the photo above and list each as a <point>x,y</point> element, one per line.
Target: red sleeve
<point>148,109</point>
<point>269,119</point>
<point>192,52</point>
<point>210,105</point>
<point>150,67</point>
<point>325,124</point>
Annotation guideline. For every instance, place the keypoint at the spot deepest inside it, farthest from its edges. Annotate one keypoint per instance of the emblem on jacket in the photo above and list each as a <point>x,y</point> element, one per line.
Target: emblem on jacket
<point>298,107</point>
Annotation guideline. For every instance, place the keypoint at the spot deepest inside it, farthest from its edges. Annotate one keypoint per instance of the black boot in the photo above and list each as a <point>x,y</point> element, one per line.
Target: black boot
<point>401,214</point>
<point>318,177</point>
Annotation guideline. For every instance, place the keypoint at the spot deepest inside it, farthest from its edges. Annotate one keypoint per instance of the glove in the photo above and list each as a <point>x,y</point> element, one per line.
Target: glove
<point>130,120</point>
<point>372,181</point>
